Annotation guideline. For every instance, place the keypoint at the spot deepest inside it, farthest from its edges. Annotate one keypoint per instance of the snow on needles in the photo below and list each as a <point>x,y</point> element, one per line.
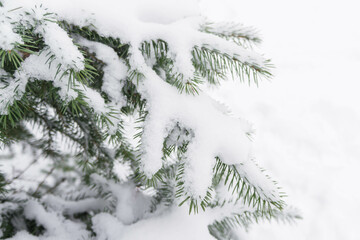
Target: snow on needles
<point>57,226</point>
<point>115,70</point>
<point>8,37</point>
<point>61,46</point>
<point>216,135</point>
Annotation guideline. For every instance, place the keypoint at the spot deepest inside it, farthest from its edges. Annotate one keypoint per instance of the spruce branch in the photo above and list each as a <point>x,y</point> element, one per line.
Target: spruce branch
<point>223,229</point>
<point>214,65</point>
<point>248,193</point>
<point>241,35</point>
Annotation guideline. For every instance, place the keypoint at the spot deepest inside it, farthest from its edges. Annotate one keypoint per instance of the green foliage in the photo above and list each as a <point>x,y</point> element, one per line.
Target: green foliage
<point>214,65</point>
<point>246,192</point>
<point>223,229</point>
<point>243,36</point>
<point>87,132</point>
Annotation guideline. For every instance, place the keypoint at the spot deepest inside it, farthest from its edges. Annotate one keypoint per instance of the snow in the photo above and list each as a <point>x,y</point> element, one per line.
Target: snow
<point>8,37</point>
<point>227,138</point>
<point>115,70</point>
<point>11,92</point>
<point>131,28</point>
<point>95,100</point>
<point>176,33</point>
<point>306,119</point>
<point>36,66</point>
<point>61,45</point>
<point>59,55</point>
<point>107,227</point>
<point>131,203</point>
<point>23,235</point>
<point>122,170</point>
<point>160,227</point>
<point>4,208</point>
<point>56,226</point>
<point>73,207</point>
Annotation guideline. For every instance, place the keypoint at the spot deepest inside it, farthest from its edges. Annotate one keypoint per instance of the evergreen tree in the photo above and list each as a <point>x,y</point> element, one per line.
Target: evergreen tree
<point>78,81</point>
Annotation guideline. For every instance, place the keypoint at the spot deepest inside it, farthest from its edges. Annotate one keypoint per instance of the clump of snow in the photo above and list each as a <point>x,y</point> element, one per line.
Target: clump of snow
<point>4,208</point>
<point>122,170</point>
<point>61,45</point>
<point>159,227</point>
<point>107,227</point>
<point>11,92</point>
<point>115,70</point>
<point>8,38</point>
<point>56,226</point>
<point>23,235</point>
<point>95,100</point>
<point>216,134</point>
<point>37,67</point>
<point>69,207</point>
<point>167,224</point>
<point>131,203</point>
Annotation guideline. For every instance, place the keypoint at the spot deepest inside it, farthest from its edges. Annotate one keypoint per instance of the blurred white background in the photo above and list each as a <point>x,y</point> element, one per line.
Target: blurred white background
<point>307,118</point>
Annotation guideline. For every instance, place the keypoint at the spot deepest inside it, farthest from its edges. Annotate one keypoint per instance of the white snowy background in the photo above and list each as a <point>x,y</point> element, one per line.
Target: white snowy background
<point>307,117</point>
